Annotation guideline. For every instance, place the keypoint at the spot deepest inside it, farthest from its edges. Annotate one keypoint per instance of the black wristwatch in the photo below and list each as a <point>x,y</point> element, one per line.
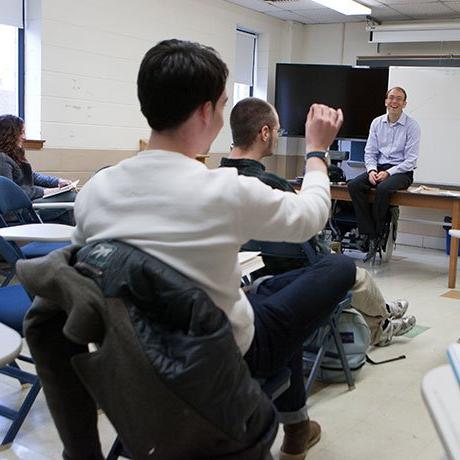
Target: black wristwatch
<point>322,155</point>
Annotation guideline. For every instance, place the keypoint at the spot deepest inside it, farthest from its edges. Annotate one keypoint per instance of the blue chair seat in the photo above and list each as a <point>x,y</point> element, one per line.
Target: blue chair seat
<point>36,249</point>
<point>14,303</point>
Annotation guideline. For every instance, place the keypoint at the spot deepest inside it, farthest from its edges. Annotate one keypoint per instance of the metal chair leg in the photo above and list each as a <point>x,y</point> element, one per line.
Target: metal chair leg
<point>19,416</point>
<point>342,356</point>
<point>319,358</point>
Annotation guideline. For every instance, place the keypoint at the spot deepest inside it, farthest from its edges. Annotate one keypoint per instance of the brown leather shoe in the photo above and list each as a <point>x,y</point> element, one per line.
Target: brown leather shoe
<point>298,438</point>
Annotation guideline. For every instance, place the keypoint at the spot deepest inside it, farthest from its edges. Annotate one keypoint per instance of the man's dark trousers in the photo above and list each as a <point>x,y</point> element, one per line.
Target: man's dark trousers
<point>371,219</point>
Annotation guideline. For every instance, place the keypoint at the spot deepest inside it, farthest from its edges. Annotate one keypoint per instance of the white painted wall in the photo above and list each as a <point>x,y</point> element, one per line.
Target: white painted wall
<point>91,53</point>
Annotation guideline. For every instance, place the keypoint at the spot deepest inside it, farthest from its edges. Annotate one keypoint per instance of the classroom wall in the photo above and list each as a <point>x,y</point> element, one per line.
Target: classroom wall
<point>90,55</point>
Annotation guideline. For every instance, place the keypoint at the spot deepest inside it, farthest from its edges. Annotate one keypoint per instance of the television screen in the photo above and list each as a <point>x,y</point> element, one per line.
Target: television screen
<point>359,92</point>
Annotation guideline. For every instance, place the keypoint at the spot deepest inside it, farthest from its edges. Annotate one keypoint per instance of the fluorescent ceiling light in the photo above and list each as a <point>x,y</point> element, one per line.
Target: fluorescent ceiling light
<point>348,7</point>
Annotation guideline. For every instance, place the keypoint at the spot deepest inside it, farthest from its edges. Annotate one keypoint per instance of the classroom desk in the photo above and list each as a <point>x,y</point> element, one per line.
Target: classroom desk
<point>10,344</point>
<point>54,205</point>
<point>249,262</point>
<point>37,232</point>
<point>419,200</point>
<point>441,393</point>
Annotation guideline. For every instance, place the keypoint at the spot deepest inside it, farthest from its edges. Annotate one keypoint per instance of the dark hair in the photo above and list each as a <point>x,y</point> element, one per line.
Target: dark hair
<point>248,117</point>
<point>11,127</point>
<point>399,89</point>
<point>175,78</point>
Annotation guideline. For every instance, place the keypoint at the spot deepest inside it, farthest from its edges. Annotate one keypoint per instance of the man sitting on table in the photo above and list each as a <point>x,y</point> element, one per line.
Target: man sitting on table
<point>194,219</point>
<point>390,156</point>
<point>255,127</point>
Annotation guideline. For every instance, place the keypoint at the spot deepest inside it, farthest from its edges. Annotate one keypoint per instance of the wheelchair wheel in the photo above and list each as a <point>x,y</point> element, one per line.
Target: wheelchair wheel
<point>389,236</point>
<point>388,244</point>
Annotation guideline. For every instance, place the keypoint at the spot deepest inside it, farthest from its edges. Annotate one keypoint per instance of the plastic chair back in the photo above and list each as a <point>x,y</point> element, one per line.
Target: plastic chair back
<point>14,304</point>
<point>14,202</point>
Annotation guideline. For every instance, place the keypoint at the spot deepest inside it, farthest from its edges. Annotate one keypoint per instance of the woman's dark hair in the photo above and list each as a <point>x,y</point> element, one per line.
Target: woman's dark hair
<point>175,78</point>
<point>10,129</point>
<point>247,118</point>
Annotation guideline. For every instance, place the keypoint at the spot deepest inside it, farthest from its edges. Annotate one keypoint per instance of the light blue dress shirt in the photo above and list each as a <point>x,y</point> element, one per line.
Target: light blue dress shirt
<point>395,143</point>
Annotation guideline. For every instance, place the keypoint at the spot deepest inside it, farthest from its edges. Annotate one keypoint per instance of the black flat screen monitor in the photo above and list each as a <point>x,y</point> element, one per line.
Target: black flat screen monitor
<point>359,92</point>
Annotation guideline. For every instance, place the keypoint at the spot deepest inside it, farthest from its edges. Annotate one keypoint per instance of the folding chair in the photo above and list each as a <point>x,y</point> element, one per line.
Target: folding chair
<point>14,303</point>
<point>329,330</point>
<point>16,208</point>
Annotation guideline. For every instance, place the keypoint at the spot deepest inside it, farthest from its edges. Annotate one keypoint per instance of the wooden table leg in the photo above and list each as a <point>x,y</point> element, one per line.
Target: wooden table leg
<point>454,245</point>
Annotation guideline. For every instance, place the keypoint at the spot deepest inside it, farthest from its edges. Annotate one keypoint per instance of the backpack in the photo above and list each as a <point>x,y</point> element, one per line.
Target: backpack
<point>356,339</point>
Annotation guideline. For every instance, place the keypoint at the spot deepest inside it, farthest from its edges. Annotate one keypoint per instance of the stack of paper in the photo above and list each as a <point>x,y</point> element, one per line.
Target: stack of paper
<point>66,188</point>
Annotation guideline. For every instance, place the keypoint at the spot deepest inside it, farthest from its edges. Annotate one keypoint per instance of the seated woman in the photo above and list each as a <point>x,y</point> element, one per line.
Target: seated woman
<point>15,166</point>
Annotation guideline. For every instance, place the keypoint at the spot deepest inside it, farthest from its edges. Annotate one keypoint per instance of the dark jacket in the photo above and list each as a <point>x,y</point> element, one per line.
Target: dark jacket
<point>168,372</point>
<point>254,168</point>
<point>30,181</point>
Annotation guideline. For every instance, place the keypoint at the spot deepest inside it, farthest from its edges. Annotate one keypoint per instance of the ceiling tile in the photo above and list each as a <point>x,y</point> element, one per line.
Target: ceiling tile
<point>292,5</point>
<point>382,10</point>
<point>292,16</point>
<point>453,5</point>
<point>326,15</point>
<point>408,2</point>
<point>257,5</point>
<point>370,3</point>
<point>297,4</point>
<point>384,13</point>
<point>425,10</point>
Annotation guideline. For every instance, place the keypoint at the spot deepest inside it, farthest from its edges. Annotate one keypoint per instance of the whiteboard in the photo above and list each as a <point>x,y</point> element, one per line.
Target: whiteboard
<point>433,99</point>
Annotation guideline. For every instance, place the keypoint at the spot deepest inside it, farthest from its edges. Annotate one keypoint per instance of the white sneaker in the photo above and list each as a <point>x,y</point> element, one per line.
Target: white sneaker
<point>397,308</point>
<point>395,328</point>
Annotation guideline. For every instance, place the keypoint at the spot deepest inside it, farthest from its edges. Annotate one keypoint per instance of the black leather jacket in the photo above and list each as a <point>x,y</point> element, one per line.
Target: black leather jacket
<point>167,372</point>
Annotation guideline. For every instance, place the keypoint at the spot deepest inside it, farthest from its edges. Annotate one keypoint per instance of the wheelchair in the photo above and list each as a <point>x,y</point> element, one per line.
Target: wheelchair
<point>342,227</point>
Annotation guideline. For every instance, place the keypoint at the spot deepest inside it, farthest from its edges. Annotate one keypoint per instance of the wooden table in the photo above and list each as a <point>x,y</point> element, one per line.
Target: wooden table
<point>420,200</point>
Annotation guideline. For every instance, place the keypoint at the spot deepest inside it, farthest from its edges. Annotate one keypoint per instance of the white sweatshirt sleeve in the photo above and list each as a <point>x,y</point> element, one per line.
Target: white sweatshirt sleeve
<point>272,215</point>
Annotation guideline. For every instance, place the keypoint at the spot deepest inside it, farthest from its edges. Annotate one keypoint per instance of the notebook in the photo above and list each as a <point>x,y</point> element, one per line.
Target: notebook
<point>66,188</point>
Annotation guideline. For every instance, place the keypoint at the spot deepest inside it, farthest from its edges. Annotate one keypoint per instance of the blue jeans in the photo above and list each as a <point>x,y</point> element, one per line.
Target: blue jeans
<point>288,308</point>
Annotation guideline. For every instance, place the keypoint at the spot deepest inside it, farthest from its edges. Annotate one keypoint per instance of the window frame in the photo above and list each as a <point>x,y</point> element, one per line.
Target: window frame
<point>254,55</point>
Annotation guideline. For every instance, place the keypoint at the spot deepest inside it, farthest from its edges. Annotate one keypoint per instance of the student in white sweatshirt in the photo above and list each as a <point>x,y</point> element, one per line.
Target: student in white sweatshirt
<point>168,204</point>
